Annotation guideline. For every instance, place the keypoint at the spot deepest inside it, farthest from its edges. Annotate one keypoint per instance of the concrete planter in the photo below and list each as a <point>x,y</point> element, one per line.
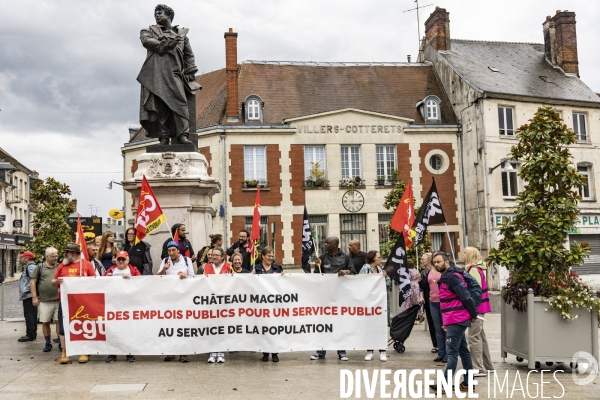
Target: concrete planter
<point>538,335</point>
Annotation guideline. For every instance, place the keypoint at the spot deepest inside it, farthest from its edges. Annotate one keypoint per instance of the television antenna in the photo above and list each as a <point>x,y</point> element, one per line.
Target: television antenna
<point>418,22</point>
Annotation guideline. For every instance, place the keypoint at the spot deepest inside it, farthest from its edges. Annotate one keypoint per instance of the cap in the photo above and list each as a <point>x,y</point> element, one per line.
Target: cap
<point>27,254</point>
<point>172,244</point>
<point>74,247</point>
<point>123,254</point>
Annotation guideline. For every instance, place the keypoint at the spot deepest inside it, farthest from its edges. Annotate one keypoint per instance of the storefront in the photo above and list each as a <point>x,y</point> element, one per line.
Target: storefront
<point>587,230</point>
<point>9,254</point>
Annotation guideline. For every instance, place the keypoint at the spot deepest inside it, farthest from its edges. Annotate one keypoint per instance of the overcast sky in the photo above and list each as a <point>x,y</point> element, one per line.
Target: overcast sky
<point>68,89</point>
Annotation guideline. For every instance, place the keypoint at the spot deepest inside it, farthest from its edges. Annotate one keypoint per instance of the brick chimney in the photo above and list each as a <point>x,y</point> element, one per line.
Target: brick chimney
<point>231,68</point>
<point>560,41</point>
<point>437,29</point>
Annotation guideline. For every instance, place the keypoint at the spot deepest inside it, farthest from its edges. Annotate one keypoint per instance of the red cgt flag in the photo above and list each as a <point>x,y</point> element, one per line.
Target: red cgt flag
<point>255,235</point>
<point>149,215</point>
<point>80,240</point>
<point>404,217</point>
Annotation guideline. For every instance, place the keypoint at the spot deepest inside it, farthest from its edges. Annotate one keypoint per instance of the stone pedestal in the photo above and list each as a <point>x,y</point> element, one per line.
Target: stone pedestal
<point>184,191</point>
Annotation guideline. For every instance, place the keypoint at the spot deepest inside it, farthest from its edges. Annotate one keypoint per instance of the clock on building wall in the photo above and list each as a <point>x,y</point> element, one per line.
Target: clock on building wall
<point>353,201</point>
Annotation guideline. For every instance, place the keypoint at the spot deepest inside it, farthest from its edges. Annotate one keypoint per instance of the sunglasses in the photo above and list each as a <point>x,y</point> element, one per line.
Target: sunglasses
<point>121,259</point>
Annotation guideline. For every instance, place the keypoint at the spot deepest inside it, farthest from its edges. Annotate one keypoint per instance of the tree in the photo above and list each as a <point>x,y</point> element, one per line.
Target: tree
<point>533,244</point>
<point>392,199</point>
<point>52,205</point>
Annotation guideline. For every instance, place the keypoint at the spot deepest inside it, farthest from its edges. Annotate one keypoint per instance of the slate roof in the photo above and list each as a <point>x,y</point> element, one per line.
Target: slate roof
<point>296,89</point>
<point>519,66</point>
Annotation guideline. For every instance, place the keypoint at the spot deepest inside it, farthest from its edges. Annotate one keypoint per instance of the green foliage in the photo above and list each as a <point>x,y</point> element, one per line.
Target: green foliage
<point>533,245</point>
<point>316,172</point>
<point>392,199</point>
<point>51,202</point>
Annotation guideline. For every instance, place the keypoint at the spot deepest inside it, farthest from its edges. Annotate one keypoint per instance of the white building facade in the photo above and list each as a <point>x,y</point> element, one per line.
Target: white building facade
<point>494,88</point>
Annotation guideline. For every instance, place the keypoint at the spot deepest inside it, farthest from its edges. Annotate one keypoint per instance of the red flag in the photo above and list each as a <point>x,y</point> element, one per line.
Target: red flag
<point>404,217</point>
<point>176,236</point>
<point>149,215</point>
<point>80,240</point>
<point>255,235</point>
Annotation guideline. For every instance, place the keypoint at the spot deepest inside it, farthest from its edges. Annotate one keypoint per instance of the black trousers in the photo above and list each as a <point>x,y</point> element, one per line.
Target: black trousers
<point>430,325</point>
<point>30,314</point>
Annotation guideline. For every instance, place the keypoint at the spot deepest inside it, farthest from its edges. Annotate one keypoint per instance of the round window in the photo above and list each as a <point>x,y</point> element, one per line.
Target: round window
<point>436,162</point>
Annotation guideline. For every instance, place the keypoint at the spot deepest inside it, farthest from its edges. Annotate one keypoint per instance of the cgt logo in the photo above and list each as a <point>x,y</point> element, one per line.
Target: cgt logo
<point>86,316</point>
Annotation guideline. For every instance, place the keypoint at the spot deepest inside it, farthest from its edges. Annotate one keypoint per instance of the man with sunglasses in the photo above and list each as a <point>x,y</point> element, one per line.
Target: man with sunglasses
<point>126,270</point>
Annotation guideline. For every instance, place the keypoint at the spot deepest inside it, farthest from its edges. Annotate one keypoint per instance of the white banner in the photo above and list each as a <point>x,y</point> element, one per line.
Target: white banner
<point>154,315</point>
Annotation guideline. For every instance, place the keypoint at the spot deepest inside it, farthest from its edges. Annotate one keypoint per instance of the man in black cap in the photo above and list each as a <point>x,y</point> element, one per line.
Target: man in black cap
<point>179,232</point>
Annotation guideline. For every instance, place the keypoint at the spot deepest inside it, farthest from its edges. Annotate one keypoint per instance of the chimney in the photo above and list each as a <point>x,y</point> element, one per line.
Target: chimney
<point>231,68</point>
<point>408,58</point>
<point>74,202</point>
<point>437,29</point>
<point>560,41</point>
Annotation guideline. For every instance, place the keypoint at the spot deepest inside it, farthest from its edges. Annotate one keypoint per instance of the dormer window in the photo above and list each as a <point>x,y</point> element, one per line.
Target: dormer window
<point>254,109</point>
<point>430,110</point>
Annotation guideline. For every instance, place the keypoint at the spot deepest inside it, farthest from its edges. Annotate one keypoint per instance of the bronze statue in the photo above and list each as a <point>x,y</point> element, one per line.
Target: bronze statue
<point>167,74</point>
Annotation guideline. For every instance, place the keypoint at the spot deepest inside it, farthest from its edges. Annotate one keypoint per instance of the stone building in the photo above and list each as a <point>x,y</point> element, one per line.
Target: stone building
<point>15,212</point>
<point>495,87</point>
<point>302,130</point>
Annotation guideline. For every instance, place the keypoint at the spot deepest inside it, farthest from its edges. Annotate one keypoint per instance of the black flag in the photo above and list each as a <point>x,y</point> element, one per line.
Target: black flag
<point>396,267</point>
<point>307,243</point>
<point>430,213</point>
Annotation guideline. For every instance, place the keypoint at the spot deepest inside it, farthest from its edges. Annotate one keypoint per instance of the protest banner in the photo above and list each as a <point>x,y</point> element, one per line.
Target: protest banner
<point>155,315</point>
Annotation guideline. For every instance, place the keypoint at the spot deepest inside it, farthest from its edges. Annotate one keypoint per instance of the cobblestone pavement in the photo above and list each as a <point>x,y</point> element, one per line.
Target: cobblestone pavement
<point>13,308</point>
<point>26,372</point>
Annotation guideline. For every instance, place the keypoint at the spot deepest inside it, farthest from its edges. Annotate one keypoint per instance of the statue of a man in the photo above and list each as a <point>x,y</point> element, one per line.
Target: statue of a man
<point>167,74</point>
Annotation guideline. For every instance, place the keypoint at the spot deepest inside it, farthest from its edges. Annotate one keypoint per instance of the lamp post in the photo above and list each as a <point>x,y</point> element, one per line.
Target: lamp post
<point>109,186</point>
<point>507,165</point>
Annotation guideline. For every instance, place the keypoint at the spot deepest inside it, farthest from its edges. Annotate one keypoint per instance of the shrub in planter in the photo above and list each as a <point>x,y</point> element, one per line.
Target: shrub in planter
<point>251,183</point>
<point>533,244</point>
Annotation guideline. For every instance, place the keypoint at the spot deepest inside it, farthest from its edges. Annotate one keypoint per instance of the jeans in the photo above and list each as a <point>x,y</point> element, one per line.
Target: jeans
<point>456,344</point>
<point>430,325</point>
<point>322,352</point>
<point>30,314</point>
<point>440,335</point>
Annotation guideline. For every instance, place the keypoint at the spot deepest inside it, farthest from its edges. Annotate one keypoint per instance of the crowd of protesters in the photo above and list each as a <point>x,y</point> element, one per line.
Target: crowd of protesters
<point>441,289</point>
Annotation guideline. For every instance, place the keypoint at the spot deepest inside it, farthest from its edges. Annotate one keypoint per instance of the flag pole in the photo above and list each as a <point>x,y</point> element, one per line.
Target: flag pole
<point>450,241</point>
<point>317,254</point>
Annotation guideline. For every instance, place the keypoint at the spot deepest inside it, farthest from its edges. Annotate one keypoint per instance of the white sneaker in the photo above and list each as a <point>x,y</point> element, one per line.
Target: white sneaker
<point>212,359</point>
<point>382,356</point>
<point>479,374</point>
<point>343,357</point>
<point>316,356</point>
<point>220,359</point>
<point>369,356</point>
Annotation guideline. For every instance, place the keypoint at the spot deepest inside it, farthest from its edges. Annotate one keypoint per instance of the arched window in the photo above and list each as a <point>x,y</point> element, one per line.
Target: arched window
<point>253,110</point>
<point>432,109</point>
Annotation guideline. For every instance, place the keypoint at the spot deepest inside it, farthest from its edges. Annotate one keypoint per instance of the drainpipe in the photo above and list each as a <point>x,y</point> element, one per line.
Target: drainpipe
<point>224,188</point>
<point>459,136</point>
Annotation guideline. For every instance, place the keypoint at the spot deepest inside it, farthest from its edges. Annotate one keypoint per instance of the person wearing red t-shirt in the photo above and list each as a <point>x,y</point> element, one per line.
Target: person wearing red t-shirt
<point>72,265</point>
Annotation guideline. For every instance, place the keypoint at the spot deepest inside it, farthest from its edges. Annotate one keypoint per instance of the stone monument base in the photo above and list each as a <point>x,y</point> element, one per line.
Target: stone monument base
<point>184,191</point>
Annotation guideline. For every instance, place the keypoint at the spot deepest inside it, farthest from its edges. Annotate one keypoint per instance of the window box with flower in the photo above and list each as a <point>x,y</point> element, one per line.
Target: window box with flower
<point>548,312</point>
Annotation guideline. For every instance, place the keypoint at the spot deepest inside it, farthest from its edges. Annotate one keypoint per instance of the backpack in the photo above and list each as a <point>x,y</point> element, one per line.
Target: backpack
<point>473,287</point>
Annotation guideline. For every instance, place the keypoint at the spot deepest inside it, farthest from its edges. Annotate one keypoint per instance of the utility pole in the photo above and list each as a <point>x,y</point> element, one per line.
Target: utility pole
<point>418,22</point>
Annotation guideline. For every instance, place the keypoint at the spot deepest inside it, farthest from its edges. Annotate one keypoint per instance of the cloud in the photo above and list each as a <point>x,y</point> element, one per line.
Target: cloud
<point>68,73</point>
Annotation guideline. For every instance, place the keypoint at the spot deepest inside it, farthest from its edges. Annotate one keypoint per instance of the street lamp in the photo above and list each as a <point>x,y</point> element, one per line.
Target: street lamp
<point>109,186</point>
<point>507,165</point>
